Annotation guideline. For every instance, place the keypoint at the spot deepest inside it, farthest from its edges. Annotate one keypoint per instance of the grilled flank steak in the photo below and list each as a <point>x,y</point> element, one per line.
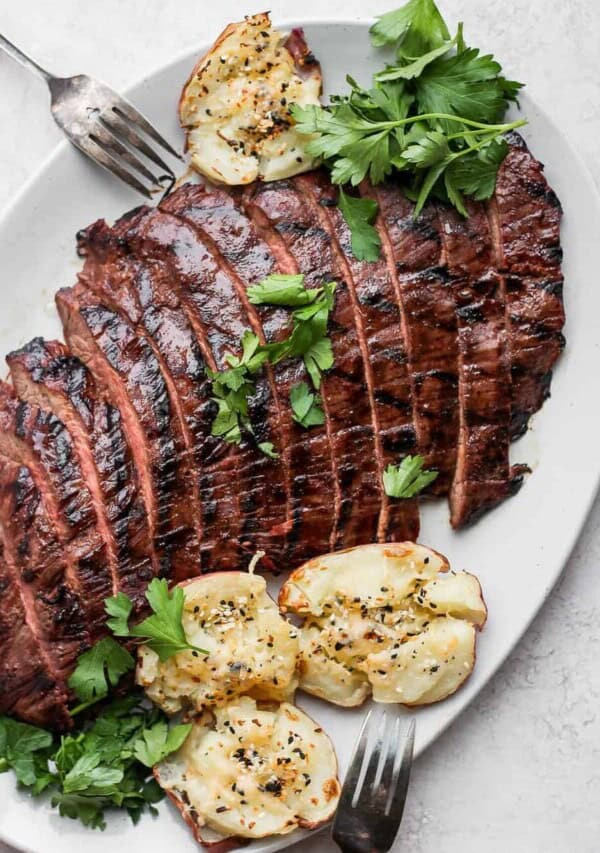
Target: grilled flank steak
<point>109,474</point>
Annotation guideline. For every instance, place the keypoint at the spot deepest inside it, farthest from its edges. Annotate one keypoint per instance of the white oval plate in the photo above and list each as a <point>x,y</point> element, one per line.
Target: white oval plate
<point>518,550</point>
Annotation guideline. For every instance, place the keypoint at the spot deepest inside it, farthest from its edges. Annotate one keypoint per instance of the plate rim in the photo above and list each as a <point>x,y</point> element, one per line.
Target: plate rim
<point>358,22</point>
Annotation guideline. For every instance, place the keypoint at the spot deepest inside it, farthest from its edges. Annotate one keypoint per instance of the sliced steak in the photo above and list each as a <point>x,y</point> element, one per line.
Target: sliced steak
<point>37,439</point>
<point>126,369</point>
<point>380,336</point>
<point>413,248</point>
<point>286,208</point>
<point>483,475</point>
<point>204,284</point>
<point>46,374</point>
<point>52,606</point>
<point>306,454</point>
<point>525,215</point>
<point>143,295</point>
<point>27,687</point>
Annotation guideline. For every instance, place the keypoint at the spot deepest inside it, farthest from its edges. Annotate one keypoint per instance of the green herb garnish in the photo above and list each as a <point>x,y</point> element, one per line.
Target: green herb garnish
<point>97,670</point>
<point>102,765</point>
<point>407,479</point>
<point>306,406</point>
<point>101,667</point>
<point>435,115</point>
<point>360,214</point>
<point>308,340</point>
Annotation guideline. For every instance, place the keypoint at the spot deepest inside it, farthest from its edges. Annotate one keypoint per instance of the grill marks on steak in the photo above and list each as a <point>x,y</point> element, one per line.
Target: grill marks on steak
<point>525,215</point>
<point>306,455</point>
<point>37,439</point>
<point>46,374</point>
<point>27,688</point>
<point>49,594</point>
<point>379,332</point>
<point>483,476</point>
<point>125,367</point>
<point>414,251</point>
<point>256,484</point>
<point>142,294</point>
<point>294,214</point>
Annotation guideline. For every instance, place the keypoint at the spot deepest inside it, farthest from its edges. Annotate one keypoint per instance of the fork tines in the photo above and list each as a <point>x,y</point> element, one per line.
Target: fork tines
<point>374,791</point>
<point>116,135</point>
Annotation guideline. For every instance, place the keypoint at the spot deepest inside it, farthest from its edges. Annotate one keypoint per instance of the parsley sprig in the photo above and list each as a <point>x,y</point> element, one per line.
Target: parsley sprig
<point>407,479</point>
<point>308,340</point>
<point>103,765</point>
<point>434,115</point>
<point>102,666</point>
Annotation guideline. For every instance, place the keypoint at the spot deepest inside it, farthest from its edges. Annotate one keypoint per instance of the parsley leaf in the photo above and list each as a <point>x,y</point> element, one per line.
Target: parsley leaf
<point>99,669</point>
<point>466,85</point>
<point>475,174</point>
<point>279,289</point>
<point>407,479</point>
<point>414,67</point>
<point>306,406</point>
<point>415,28</point>
<point>318,358</point>
<point>23,748</point>
<point>159,741</point>
<point>163,631</point>
<point>360,214</point>
<point>119,608</point>
<point>268,448</point>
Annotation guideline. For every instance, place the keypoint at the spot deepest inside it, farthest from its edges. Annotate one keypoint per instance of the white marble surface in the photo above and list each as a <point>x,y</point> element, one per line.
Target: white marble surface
<point>520,770</point>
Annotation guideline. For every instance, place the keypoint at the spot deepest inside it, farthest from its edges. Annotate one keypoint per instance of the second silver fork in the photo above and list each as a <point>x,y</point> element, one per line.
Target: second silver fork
<point>374,792</point>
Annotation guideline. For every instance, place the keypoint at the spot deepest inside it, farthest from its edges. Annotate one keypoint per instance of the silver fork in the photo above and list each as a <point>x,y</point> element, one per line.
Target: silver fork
<point>374,791</point>
<point>104,126</point>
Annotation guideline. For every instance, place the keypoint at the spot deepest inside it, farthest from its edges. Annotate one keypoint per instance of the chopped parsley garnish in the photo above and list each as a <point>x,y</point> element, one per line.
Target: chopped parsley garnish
<point>308,340</point>
<point>407,479</point>
<point>306,406</point>
<point>102,765</point>
<point>360,214</point>
<point>435,115</point>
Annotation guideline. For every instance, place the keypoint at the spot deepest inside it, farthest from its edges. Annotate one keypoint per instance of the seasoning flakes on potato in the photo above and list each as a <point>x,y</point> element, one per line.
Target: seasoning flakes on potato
<point>388,620</point>
<point>235,107</point>
<point>252,648</point>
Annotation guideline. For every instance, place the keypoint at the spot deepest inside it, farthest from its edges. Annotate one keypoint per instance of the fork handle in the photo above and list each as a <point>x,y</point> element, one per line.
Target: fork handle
<point>13,51</point>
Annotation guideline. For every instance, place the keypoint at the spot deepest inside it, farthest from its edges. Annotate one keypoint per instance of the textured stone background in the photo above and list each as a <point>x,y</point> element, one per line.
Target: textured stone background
<point>520,770</point>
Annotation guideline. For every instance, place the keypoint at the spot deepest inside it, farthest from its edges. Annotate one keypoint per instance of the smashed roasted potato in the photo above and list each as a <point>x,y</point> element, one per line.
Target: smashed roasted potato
<point>252,648</point>
<point>388,620</point>
<point>248,772</point>
<point>235,107</point>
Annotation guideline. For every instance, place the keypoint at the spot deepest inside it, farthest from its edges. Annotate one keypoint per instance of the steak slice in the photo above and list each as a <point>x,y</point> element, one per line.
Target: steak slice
<point>283,206</point>
<point>483,475</point>
<point>254,481</point>
<point>126,369</point>
<point>55,622</point>
<point>413,247</point>
<point>378,325</point>
<point>35,438</point>
<point>142,294</point>
<point>525,215</point>
<point>27,688</point>
<point>46,374</point>
<point>306,454</point>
